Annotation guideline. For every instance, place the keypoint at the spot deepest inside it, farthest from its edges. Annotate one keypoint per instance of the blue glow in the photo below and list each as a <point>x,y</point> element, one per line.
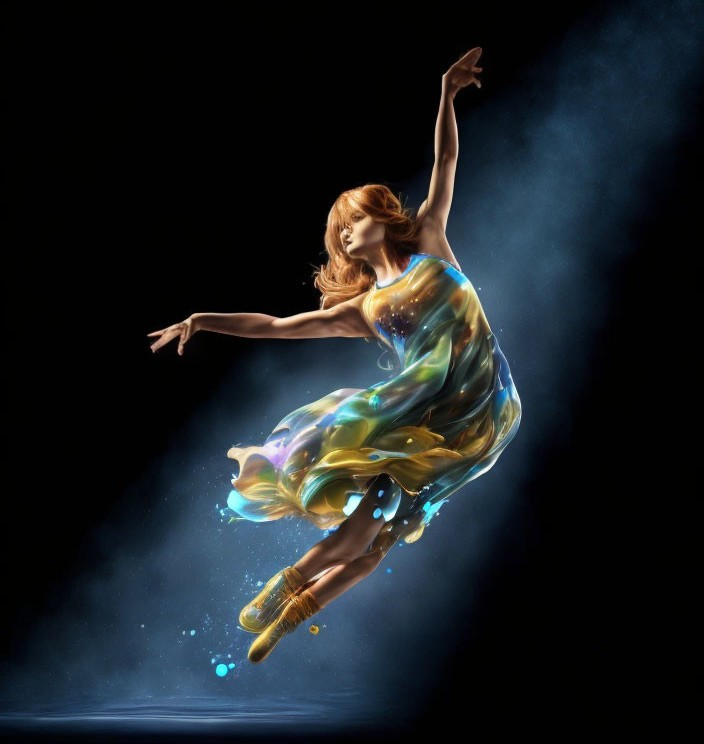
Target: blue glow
<point>193,632</point>
<point>381,493</point>
<point>221,670</point>
<point>377,513</point>
<point>352,503</point>
<point>388,570</point>
<point>431,509</point>
<point>245,508</point>
<point>231,665</point>
<point>532,257</point>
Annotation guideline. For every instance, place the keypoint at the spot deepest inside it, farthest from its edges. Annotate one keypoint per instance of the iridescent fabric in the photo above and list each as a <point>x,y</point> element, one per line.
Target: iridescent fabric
<point>437,423</point>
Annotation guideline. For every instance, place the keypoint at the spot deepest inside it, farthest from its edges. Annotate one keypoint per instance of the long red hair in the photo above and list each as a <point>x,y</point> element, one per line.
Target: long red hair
<point>343,278</point>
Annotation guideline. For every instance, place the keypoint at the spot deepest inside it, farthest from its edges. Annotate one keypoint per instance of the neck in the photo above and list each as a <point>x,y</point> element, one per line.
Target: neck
<point>384,268</point>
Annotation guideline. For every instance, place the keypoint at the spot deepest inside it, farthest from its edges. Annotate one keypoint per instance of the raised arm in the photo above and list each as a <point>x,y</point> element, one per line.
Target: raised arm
<point>343,320</point>
<point>435,210</point>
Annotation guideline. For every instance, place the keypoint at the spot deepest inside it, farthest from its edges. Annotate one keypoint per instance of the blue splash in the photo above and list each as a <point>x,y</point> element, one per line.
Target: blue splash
<point>221,670</point>
<point>431,508</point>
<point>352,503</point>
<point>238,504</point>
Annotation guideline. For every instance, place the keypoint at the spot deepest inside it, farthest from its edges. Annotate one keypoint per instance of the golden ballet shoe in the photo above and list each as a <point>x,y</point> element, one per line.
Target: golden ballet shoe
<point>299,608</point>
<point>262,610</point>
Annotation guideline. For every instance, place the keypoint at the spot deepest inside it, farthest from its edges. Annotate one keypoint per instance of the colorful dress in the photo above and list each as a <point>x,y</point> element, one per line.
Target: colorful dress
<point>440,421</point>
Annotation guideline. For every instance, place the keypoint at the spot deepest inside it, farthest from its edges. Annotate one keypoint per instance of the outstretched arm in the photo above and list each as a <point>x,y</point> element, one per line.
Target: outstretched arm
<point>345,319</point>
<point>435,210</point>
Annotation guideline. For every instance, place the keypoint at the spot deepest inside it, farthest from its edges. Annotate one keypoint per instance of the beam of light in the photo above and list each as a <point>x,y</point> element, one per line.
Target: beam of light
<point>550,179</point>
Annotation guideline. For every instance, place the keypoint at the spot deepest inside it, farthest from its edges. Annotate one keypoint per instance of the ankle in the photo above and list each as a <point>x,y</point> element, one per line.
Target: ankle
<point>294,577</point>
<point>300,573</point>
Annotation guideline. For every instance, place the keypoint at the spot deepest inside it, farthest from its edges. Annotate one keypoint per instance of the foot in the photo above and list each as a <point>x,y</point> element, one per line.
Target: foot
<point>262,610</point>
<point>299,608</point>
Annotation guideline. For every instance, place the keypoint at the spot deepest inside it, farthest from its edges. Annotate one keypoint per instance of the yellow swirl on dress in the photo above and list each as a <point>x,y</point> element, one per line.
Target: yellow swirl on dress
<point>437,424</point>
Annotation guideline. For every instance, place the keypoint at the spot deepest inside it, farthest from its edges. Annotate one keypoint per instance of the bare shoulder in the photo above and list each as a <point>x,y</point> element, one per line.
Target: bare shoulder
<point>432,239</point>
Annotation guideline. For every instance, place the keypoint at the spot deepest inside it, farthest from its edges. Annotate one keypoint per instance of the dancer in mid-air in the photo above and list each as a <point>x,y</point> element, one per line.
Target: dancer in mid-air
<point>374,465</point>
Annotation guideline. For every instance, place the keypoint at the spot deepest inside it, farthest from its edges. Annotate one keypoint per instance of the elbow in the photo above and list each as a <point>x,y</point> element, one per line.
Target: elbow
<point>447,157</point>
<point>276,328</point>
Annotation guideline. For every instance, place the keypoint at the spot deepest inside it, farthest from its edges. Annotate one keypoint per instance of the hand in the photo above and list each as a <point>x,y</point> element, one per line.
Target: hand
<point>183,330</point>
<point>462,73</point>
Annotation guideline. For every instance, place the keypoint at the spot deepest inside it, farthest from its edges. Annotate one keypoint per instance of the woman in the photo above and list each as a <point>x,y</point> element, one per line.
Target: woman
<point>378,462</point>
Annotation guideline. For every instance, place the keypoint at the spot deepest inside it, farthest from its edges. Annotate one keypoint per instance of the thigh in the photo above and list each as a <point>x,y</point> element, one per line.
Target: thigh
<point>394,530</point>
<point>363,525</point>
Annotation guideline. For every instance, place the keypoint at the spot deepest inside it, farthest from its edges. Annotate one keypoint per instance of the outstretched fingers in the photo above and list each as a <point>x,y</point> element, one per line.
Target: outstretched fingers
<point>164,330</point>
<point>166,336</point>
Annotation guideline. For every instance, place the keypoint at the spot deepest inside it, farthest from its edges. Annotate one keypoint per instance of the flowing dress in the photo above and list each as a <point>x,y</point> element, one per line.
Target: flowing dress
<point>441,421</point>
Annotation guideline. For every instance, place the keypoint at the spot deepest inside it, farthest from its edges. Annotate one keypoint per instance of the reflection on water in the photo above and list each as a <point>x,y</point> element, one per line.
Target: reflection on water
<point>190,714</point>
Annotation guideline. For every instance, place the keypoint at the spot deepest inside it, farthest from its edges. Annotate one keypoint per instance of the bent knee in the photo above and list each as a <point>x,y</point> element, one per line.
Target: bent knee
<point>343,548</point>
<point>369,561</point>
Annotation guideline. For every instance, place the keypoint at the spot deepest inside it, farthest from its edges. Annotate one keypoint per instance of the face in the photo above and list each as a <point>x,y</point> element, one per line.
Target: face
<point>362,236</point>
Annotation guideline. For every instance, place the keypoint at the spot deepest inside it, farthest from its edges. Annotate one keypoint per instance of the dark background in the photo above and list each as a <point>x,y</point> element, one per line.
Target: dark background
<point>160,160</point>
